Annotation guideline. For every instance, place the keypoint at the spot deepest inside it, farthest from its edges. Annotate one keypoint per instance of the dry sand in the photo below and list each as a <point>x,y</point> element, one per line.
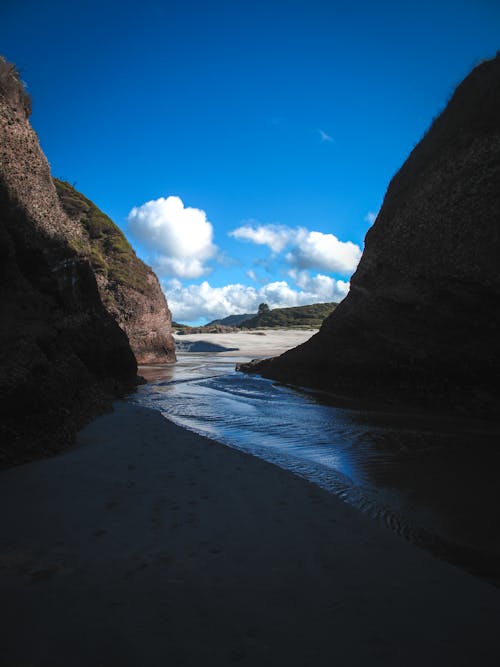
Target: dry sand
<point>149,546</point>
<point>261,343</point>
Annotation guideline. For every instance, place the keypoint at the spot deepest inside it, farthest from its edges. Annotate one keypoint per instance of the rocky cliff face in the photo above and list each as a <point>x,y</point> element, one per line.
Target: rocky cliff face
<point>421,324</point>
<point>129,289</point>
<point>62,356</point>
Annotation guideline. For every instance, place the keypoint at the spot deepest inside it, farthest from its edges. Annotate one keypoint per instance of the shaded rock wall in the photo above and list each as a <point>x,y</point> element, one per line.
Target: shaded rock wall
<point>421,324</point>
<point>129,289</point>
<point>62,356</point>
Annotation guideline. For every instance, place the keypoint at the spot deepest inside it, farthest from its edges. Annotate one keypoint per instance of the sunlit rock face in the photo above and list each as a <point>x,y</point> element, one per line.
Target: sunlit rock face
<point>421,324</point>
<point>62,356</point>
<point>129,289</point>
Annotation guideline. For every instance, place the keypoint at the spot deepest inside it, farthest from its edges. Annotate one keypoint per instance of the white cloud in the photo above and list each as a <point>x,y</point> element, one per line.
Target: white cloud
<point>370,217</point>
<point>194,303</point>
<point>276,237</point>
<point>180,238</point>
<point>315,250</point>
<point>325,137</point>
<point>251,274</point>
<point>308,249</point>
<point>324,288</point>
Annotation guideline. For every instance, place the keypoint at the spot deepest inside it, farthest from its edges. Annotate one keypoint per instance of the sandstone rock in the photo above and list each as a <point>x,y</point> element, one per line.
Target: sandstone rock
<point>421,324</point>
<point>62,356</point>
<point>129,289</point>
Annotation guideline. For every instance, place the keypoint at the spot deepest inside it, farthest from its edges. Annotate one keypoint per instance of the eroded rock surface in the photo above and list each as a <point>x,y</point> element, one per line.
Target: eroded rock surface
<point>129,289</point>
<point>421,324</point>
<point>62,356</point>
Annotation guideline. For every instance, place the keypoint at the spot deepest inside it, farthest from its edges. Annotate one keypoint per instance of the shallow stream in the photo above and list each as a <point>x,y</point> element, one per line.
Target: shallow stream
<point>434,482</point>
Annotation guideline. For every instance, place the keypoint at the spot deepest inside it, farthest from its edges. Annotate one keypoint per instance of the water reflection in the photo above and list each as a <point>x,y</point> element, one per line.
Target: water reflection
<point>434,481</point>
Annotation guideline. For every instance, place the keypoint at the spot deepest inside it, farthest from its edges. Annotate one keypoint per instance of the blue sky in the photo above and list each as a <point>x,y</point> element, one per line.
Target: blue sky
<point>274,126</point>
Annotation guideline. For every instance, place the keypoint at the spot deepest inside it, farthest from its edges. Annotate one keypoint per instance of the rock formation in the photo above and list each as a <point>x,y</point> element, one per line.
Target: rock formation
<point>62,356</point>
<point>421,323</point>
<point>129,289</point>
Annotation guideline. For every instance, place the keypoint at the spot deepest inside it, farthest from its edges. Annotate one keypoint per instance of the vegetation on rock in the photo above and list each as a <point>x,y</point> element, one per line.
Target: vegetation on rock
<point>12,88</point>
<point>128,287</point>
<point>311,316</point>
<point>62,356</point>
<point>295,317</point>
<point>231,320</point>
<point>106,246</point>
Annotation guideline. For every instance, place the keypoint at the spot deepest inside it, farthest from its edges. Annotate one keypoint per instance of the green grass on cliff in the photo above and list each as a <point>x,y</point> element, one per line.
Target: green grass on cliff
<point>296,317</point>
<point>12,87</point>
<point>105,244</point>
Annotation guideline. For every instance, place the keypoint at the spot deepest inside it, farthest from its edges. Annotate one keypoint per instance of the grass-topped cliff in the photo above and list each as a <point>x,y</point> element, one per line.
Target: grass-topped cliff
<point>109,252</point>
<point>62,357</point>
<point>129,289</point>
<point>295,317</point>
<point>11,88</point>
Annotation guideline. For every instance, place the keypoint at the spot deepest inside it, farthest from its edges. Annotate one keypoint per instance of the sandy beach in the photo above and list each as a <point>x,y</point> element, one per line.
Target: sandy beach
<point>258,343</point>
<point>148,545</point>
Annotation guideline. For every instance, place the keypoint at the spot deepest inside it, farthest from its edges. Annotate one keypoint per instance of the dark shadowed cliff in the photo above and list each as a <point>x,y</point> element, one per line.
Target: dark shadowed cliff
<point>129,289</point>
<point>62,356</point>
<point>421,324</point>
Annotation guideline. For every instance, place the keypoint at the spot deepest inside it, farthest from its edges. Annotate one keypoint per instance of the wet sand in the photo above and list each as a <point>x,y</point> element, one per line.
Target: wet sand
<point>149,545</point>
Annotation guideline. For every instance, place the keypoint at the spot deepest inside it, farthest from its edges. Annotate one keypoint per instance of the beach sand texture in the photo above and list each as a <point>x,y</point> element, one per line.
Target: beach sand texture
<point>149,545</point>
<point>260,343</point>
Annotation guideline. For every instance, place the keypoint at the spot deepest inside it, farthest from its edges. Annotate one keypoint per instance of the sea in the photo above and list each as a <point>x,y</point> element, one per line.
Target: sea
<point>434,482</point>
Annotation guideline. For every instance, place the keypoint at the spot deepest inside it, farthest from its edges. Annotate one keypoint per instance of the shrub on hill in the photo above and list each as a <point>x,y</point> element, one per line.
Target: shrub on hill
<point>311,316</point>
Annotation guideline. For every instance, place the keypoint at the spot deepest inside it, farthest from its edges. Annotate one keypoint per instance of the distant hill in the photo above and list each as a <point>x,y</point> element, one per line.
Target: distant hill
<point>232,320</point>
<point>297,316</point>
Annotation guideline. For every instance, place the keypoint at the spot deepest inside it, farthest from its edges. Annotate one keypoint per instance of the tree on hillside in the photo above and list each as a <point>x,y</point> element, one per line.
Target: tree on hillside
<point>263,308</point>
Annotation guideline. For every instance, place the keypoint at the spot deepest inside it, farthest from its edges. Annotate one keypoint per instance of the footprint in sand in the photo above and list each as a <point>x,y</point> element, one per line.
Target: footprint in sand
<point>215,550</point>
<point>135,570</point>
<point>99,533</point>
<point>238,654</point>
<point>43,574</point>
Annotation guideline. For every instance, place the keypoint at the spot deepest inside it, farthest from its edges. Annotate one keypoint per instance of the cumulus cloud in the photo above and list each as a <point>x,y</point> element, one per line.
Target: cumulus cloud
<point>324,288</point>
<point>308,249</point>
<point>315,250</point>
<point>193,303</point>
<point>275,237</point>
<point>179,237</point>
